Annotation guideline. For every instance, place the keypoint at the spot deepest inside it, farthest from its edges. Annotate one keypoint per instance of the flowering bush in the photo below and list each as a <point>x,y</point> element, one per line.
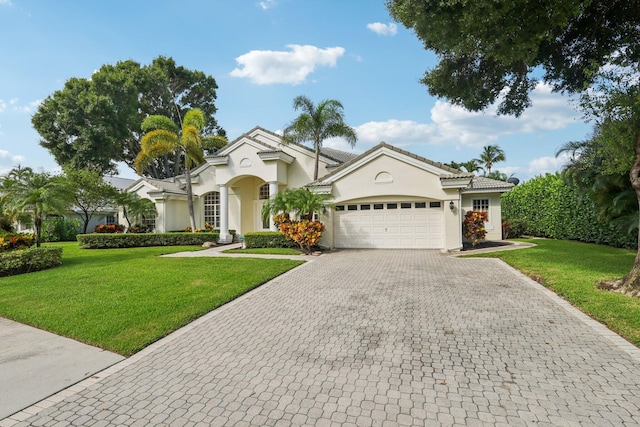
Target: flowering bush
<point>16,241</point>
<point>305,233</point>
<point>473,226</point>
<point>108,228</point>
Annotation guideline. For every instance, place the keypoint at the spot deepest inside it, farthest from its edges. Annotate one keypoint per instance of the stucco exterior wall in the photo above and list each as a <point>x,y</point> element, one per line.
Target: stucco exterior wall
<point>388,176</point>
<point>494,225</point>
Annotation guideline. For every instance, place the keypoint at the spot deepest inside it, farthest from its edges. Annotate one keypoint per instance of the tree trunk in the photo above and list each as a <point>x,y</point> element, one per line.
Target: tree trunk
<point>631,282</point>
<point>38,224</point>
<point>192,218</point>
<point>315,168</point>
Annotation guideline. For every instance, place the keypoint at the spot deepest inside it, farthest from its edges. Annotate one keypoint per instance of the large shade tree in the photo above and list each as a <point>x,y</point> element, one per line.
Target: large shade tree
<point>96,122</point>
<point>496,51</point>
<point>163,137</point>
<point>36,195</point>
<point>316,124</point>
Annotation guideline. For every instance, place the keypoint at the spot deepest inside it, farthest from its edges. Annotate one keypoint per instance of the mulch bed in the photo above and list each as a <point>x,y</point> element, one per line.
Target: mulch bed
<point>466,246</point>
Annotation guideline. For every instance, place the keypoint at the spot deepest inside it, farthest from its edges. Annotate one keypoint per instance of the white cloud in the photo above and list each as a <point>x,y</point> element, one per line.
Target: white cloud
<point>29,108</point>
<point>15,159</point>
<point>383,29</point>
<point>268,4</point>
<point>289,67</point>
<point>453,125</point>
<point>3,105</point>
<point>5,2</point>
<point>543,165</point>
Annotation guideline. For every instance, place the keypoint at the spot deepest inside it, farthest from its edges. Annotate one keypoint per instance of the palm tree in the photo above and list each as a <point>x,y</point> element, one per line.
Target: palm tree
<point>36,195</point>
<point>491,154</point>
<point>471,166</point>
<point>135,207</point>
<point>163,137</point>
<point>318,123</point>
<point>301,202</point>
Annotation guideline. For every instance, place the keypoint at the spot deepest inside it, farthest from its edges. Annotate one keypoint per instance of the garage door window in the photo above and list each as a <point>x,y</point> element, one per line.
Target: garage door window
<point>352,207</point>
<point>421,205</point>
<point>434,204</point>
<point>392,206</point>
<point>405,205</point>
<point>378,206</point>
<point>365,207</point>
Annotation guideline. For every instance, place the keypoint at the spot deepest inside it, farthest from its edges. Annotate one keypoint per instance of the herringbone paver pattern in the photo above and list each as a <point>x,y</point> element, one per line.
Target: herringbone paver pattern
<point>366,338</point>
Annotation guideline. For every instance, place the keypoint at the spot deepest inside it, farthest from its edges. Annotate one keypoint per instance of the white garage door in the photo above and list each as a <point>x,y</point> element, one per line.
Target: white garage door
<point>416,225</point>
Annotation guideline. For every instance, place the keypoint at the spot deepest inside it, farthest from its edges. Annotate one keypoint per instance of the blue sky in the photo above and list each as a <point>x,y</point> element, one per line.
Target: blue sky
<point>262,55</point>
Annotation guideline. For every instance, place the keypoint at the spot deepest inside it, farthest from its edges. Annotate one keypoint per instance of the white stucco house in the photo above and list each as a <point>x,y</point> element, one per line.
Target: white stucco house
<point>384,198</point>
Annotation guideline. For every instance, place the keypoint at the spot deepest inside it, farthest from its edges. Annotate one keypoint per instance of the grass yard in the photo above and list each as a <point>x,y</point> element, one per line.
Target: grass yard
<point>124,299</point>
<point>265,251</point>
<point>571,269</point>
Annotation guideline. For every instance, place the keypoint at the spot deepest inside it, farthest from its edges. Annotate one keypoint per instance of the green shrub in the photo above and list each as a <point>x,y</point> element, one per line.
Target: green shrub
<point>547,206</point>
<point>60,229</point>
<point>28,260</point>
<point>133,240</point>
<point>514,228</point>
<point>267,239</point>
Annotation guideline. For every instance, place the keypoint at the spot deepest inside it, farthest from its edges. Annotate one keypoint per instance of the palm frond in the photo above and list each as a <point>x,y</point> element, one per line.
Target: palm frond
<point>157,122</point>
<point>195,118</point>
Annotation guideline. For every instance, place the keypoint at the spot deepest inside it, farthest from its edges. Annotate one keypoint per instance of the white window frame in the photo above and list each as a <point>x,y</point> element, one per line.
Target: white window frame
<point>149,221</point>
<point>481,205</point>
<point>212,209</point>
<point>263,191</point>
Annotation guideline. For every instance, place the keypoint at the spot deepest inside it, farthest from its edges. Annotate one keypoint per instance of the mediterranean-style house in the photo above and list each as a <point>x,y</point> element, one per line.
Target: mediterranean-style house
<point>383,198</point>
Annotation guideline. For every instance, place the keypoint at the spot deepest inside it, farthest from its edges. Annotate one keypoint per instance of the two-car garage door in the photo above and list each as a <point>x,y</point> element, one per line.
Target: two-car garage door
<point>389,224</point>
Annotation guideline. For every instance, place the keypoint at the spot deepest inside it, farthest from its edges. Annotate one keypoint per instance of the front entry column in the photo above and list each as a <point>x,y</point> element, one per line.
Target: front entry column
<point>225,237</point>
<point>273,190</point>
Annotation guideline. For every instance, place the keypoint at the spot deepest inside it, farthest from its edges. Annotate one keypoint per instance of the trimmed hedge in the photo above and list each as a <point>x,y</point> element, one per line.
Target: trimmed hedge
<point>548,207</point>
<point>268,239</point>
<point>28,260</point>
<point>134,240</point>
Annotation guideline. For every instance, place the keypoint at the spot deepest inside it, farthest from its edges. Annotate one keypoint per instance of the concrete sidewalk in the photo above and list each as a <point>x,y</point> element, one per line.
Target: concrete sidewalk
<point>35,364</point>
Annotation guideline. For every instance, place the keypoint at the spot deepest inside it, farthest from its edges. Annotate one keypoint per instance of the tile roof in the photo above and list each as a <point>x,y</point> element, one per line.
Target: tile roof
<point>166,185</point>
<point>118,182</point>
<point>483,183</point>
<point>339,155</point>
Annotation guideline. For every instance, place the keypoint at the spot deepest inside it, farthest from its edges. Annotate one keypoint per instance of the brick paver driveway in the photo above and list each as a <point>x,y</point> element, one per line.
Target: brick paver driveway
<point>374,338</point>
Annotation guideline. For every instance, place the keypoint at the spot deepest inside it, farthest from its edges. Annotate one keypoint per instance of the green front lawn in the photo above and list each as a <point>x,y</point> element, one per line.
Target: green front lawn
<point>571,269</point>
<point>124,299</point>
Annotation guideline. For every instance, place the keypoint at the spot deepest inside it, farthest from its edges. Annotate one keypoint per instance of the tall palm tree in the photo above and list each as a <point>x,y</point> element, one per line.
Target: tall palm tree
<point>317,124</point>
<point>490,155</point>
<point>163,137</point>
<point>36,195</point>
<point>471,166</point>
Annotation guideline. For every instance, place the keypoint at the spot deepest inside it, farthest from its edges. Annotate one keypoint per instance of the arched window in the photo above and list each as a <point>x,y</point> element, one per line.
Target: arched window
<point>212,209</point>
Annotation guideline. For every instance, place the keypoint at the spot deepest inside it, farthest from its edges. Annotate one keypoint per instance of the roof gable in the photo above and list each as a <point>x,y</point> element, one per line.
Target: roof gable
<point>389,150</point>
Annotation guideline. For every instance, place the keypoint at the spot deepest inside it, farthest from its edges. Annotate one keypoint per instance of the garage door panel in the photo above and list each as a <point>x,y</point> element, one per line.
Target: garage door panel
<point>396,228</point>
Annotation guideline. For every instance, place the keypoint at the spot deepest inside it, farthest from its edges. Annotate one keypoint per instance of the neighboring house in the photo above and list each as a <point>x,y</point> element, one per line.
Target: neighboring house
<point>110,214</point>
<point>107,216</point>
<point>384,198</point>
